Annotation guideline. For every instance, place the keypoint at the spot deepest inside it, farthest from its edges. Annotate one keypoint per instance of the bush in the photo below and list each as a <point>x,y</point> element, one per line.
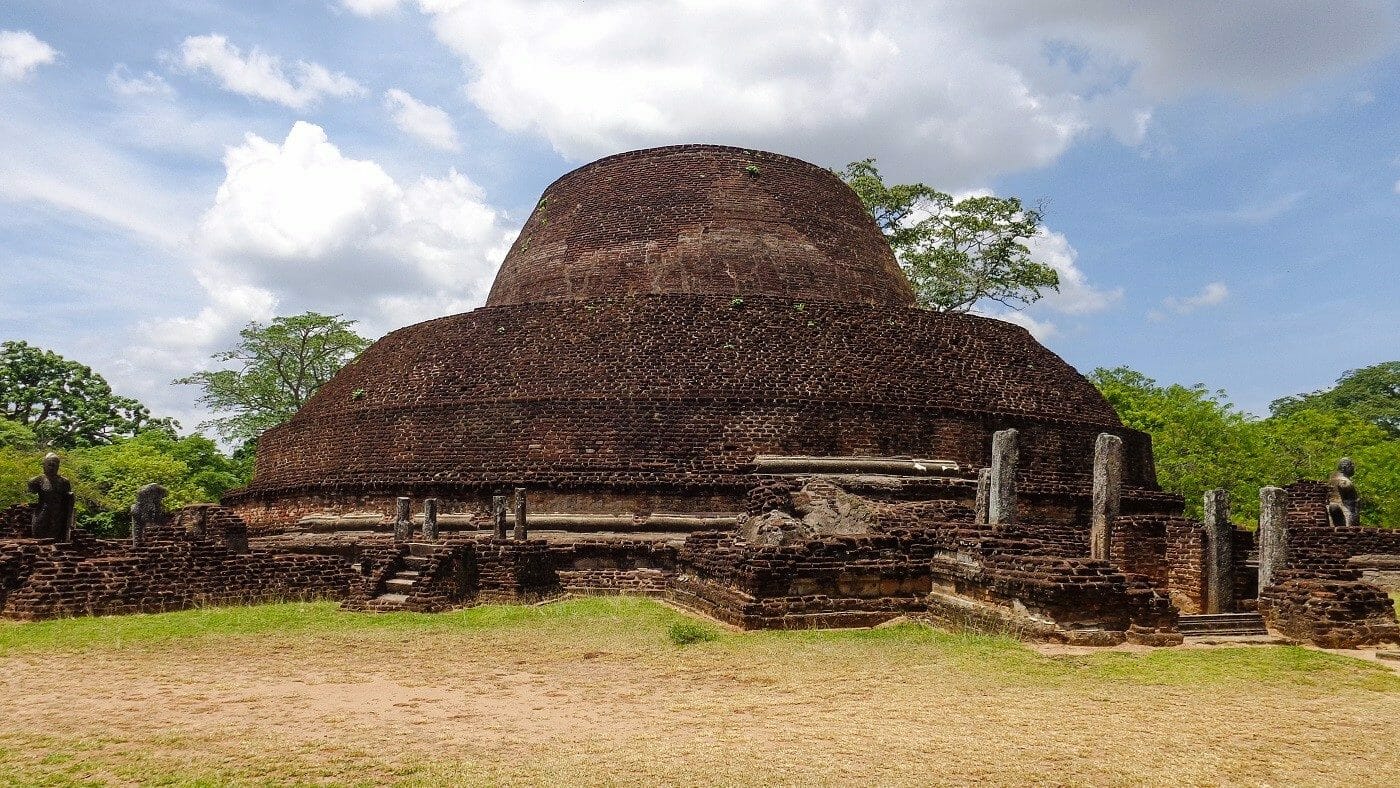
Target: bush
<point>684,633</point>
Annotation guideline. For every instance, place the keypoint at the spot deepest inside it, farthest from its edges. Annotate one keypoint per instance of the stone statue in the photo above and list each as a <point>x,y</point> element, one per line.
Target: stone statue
<point>1341,494</point>
<point>148,511</point>
<point>53,519</point>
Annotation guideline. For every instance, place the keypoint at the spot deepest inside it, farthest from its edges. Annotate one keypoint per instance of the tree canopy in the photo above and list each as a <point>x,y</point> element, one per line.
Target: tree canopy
<point>956,252</point>
<point>279,365</point>
<point>1201,441</point>
<point>1370,393</point>
<point>66,404</point>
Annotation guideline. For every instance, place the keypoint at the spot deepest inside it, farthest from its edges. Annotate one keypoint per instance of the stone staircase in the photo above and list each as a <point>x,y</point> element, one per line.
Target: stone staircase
<point>1223,625</point>
<point>399,587</point>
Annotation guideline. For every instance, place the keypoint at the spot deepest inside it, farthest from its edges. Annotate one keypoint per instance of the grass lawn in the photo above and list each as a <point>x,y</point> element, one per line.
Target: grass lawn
<point>598,691</point>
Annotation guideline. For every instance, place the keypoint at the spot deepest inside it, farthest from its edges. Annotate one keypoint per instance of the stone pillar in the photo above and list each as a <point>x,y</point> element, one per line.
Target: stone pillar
<point>1108,487</point>
<point>403,521</point>
<point>984,486</point>
<point>430,515</point>
<point>1220,553</point>
<point>521,514</point>
<point>1001,499</point>
<point>1273,533</point>
<point>498,516</point>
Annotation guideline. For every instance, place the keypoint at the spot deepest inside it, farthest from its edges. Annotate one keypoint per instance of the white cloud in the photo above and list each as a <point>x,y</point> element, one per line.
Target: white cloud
<point>1076,296</point>
<point>1213,294</point>
<point>21,53</point>
<point>1040,329</point>
<point>315,228</point>
<point>426,122</point>
<point>370,7</point>
<point>975,89</point>
<point>122,82</point>
<point>260,75</point>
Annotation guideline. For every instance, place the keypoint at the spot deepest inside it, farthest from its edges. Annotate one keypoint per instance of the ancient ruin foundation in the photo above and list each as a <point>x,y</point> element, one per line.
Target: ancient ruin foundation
<point>701,375</point>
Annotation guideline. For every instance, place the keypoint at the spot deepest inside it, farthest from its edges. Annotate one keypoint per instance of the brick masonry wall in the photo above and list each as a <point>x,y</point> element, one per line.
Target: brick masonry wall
<point>173,570</point>
<point>700,219</point>
<point>674,396</point>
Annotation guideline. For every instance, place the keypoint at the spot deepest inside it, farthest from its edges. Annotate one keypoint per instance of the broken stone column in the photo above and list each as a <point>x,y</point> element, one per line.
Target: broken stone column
<point>521,513</point>
<point>403,521</point>
<point>1001,499</point>
<point>1108,488</point>
<point>1220,553</point>
<point>498,516</point>
<point>984,486</point>
<point>430,519</point>
<point>1273,533</point>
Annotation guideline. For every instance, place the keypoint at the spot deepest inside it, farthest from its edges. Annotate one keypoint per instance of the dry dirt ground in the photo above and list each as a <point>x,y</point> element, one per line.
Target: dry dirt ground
<point>595,692</point>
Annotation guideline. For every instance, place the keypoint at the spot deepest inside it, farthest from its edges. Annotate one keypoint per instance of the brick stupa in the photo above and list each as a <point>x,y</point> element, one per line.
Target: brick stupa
<point>671,324</point>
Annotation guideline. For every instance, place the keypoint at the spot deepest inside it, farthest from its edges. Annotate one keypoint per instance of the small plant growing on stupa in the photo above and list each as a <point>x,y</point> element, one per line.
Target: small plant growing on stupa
<point>736,303</point>
<point>357,395</point>
<point>752,170</point>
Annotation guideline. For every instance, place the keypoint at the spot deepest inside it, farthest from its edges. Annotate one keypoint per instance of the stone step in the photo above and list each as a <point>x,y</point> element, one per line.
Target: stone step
<point>396,599</point>
<point>395,585</point>
<point>414,561</point>
<point>1222,624</point>
<point>407,574</point>
<point>420,549</point>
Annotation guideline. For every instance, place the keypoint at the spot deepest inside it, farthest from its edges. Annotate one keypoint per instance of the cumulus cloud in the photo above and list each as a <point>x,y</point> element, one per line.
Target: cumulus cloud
<point>975,89</point>
<point>302,221</point>
<point>21,53</point>
<point>260,75</point>
<point>426,122</point>
<point>1213,294</point>
<point>1076,296</point>
<point>370,7</point>
<point>124,83</point>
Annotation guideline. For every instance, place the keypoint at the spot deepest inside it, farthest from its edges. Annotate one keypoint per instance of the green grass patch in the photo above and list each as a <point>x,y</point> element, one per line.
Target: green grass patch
<point>640,625</point>
<point>685,633</point>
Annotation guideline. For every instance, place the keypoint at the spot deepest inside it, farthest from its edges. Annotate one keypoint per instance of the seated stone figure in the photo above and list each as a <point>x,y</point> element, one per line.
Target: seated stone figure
<point>53,517</point>
<point>1341,495</point>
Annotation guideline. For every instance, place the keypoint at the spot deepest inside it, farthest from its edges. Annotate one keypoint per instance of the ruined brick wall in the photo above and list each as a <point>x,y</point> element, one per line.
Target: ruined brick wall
<point>168,574</point>
<point>700,219</point>
<point>1186,561</point>
<point>594,566</point>
<point>215,523</point>
<point>17,521</point>
<point>511,571</point>
<point>839,581</point>
<point>1332,609</point>
<point>1315,545</point>
<point>1140,546</point>
<point>674,396</point>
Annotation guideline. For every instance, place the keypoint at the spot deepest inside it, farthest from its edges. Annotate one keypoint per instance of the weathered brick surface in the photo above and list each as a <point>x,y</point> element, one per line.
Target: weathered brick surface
<point>1329,608</point>
<point>700,219</point>
<point>666,316</point>
<point>1317,597</point>
<point>674,396</point>
<point>173,570</point>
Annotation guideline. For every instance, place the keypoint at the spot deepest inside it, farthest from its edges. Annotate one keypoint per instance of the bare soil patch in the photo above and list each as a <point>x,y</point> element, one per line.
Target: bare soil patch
<point>598,695</point>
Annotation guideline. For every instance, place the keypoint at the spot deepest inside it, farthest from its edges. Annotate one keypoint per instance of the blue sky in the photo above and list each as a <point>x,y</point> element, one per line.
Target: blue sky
<point>1221,181</point>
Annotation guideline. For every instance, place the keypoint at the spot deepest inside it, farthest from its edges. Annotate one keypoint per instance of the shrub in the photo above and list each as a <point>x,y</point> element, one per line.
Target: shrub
<point>684,633</point>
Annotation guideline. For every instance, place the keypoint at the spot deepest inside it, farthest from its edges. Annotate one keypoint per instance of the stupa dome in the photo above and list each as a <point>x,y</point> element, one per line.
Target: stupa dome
<point>667,318</point>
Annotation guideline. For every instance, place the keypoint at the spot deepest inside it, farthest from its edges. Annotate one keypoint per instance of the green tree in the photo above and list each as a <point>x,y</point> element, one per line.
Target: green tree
<point>279,366</point>
<point>1198,437</point>
<point>1370,393</point>
<point>1201,441</point>
<point>65,404</point>
<point>956,252</point>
